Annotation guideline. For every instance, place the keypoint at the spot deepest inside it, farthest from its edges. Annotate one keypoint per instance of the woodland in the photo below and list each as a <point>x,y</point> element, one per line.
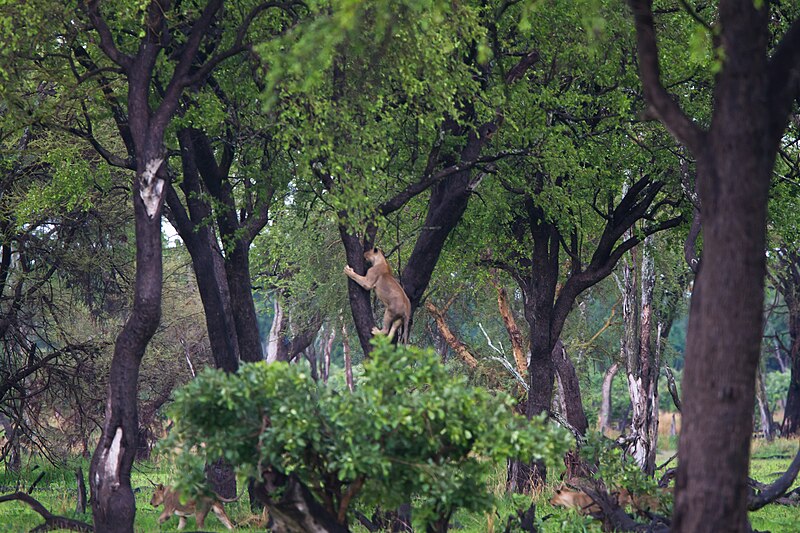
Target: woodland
<point>592,207</point>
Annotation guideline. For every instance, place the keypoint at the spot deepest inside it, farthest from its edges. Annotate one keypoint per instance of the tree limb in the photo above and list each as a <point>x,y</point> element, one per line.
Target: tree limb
<point>51,521</point>
<point>778,488</point>
<point>665,107</point>
<point>106,39</point>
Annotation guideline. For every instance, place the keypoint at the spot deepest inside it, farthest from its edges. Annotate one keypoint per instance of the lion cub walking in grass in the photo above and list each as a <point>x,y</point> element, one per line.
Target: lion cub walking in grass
<point>172,505</point>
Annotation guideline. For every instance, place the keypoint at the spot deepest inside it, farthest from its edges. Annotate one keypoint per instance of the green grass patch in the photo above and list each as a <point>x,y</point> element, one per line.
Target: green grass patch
<point>57,492</point>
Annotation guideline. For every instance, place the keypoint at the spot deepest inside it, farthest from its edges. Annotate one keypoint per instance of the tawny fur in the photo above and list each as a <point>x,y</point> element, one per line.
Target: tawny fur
<point>574,499</point>
<point>389,291</point>
<point>200,508</point>
<point>583,503</point>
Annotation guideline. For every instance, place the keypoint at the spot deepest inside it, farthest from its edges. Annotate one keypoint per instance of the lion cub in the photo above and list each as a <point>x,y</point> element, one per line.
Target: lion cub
<point>172,505</point>
<point>389,291</point>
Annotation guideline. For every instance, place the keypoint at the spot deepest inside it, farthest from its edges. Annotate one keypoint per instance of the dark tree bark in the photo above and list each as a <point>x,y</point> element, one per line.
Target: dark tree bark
<point>786,279</point>
<point>570,391</point>
<point>238,226</point>
<point>80,504</point>
<point>113,503</point>
<point>288,347</point>
<point>292,507</point>
<point>201,242</point>
<point>142,129</point>
<point>538,277</point>
<point>753,95</point>
<point>571,388</point>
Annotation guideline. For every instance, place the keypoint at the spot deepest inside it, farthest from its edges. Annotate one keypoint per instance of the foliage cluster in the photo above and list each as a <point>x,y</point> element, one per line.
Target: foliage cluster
<point>409,430</point>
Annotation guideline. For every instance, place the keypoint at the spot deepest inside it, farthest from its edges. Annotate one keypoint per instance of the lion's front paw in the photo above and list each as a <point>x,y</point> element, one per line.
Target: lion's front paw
<point>377,331</point>
<point>348,270</point>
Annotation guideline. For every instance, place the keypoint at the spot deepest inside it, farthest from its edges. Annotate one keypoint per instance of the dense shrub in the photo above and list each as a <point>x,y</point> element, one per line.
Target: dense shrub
<point>409,431</point>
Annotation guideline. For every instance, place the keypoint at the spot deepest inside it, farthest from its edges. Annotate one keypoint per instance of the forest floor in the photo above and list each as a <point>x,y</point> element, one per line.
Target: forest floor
<point>56,490</point>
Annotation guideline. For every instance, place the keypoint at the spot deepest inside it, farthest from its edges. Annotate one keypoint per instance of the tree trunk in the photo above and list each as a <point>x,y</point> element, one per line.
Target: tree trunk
<point>292,507</point>
<point>237,268</point>
<point>327,354</point>
<point>348,364</point>
<point>765,415</point>
<point>570,392</point>
<point>725,320</point>
<point>113,503</point>
<point>201,242</point>
<point>514,333</point>
<point>14,460</point>
<point>570,389</point>
<point>791,416</point>
<point>753,95</point>
<point>605,404</point>
<point>642,367</point>
<point>360,304</point>
<point>312,356</point>
<point>280,322</point>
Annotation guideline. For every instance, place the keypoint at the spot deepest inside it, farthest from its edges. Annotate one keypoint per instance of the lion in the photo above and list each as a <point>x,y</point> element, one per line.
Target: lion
<point>172,505</point>
<point>389,291</point>
<point>574,499</point>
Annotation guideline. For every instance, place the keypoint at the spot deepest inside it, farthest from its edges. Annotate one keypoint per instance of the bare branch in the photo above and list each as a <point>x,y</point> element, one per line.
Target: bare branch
<point>776,489</point>
<point>51,521</point>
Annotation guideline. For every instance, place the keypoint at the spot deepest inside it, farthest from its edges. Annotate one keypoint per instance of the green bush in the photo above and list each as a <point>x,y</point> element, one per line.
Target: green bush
<point>409,431</point>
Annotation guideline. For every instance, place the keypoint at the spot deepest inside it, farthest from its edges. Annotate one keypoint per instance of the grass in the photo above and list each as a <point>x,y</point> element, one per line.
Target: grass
<point>56,490</point>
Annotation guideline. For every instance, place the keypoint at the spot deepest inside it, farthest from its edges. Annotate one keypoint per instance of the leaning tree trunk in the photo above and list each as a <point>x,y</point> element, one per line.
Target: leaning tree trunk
<point>570,392</point>
<point>113,503</point>
<point>765,415</point>
<point>604,417</point>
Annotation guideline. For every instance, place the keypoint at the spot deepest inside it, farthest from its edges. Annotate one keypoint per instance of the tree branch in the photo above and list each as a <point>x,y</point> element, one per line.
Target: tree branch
<point>106,39</point>
<point>784,77</point>
<point>180,78</point>
<point>400,199</point>
<point>51,521</point>
<point>776,489</point>
<point>665,107</point>
<point>238,45</point>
